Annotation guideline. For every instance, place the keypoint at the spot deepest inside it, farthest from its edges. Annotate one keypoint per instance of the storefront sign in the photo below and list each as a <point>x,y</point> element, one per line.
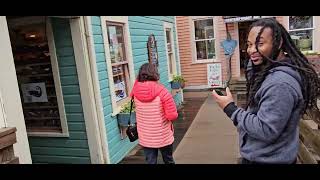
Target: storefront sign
<point>230,19</point>
<point>34,92</point>
<point>214,75</point>
<point>152,50</point>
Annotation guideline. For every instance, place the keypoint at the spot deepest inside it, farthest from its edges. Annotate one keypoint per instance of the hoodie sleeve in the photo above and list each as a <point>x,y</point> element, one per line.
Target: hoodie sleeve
<point>170,109</point>
<point>275,108</point>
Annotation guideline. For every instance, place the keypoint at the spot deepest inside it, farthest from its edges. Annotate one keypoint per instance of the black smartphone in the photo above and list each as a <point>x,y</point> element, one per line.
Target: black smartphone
<point>219,92</point>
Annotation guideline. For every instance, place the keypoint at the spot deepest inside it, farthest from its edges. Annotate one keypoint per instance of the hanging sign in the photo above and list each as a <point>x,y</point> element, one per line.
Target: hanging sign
<point>152,50</point>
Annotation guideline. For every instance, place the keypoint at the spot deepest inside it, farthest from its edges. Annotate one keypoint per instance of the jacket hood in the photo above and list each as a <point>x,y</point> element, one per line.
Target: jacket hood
<point>146,91</point>
<point>289,70</point>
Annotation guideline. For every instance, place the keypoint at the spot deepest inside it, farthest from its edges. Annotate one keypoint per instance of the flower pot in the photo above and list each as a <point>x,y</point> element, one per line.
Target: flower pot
<point>175,85</point>
<point>123,118</point>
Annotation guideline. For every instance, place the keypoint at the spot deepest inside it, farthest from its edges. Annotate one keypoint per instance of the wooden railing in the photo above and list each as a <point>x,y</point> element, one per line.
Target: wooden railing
<point>7,139</point>
<point>309,150</point>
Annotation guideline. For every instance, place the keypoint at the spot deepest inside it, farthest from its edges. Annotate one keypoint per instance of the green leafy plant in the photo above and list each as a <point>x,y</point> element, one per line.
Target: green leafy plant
<point>125,108</point>
<point>177,82</point>
<point>178,78</point>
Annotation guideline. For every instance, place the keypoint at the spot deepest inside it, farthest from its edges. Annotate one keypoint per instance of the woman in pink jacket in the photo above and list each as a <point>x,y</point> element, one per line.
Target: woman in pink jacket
<point>155,111</point>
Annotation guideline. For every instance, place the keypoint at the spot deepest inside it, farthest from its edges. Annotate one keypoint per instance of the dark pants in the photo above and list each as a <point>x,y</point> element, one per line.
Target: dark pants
<point>151,154</point>
<point>245,161</point>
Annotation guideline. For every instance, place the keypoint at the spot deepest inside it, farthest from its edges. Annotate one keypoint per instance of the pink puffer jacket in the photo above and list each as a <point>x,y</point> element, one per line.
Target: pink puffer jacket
<point>155,111</point>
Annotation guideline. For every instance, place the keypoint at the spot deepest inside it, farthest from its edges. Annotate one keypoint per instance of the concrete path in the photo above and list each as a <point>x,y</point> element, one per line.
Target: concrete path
<point>211,138</point>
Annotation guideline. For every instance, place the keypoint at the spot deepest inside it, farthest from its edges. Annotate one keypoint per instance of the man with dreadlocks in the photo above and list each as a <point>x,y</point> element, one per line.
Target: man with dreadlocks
<point>281,87</point>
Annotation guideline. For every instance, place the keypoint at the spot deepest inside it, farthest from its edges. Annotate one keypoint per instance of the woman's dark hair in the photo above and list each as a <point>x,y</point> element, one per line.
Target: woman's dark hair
<point>310,80</point>
<point>148,72</point>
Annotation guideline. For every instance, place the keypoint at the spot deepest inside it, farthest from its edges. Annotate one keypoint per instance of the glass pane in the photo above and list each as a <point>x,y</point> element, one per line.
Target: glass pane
<point>170,63</point>
<point>168,36</point>
<point>211,50</point>
<point>119,79</point>
<point>116,43</point>
<point>203,29</point>
<point>302,39</point>
<point>299,22</point>
<point>201,50</point>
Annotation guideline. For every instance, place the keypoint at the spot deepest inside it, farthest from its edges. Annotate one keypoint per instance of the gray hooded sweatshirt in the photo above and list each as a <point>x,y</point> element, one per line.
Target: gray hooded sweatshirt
<point>269,132</point>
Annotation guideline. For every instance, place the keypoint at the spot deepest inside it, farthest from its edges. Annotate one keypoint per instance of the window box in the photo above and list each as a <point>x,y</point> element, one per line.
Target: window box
<point>175,85</point>
<point>123,118</point>
<point>177,82</point>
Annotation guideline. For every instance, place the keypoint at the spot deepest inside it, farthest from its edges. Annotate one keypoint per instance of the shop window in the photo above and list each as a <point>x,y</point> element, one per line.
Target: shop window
<point>204,39</point>
<point>38,77</point>
<point>119,61</point>
<point>172,69</point>
<point>301,30</point>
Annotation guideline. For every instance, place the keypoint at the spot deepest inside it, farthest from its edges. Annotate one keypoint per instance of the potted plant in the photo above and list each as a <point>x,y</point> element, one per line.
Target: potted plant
<point>304,43</point>
<point>123,116</point>
<point>177,82</point>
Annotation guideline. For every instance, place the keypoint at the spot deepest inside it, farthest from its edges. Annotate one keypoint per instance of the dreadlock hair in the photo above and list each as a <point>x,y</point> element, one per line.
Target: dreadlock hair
<point>310,80</point>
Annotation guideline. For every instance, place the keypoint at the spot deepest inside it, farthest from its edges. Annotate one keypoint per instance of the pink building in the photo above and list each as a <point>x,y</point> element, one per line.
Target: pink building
<point>202,58</point>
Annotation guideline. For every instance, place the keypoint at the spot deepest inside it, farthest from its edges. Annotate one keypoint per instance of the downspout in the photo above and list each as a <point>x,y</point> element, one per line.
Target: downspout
<point>229,58</point>
<point>178,53</point>
<point>97,96</point>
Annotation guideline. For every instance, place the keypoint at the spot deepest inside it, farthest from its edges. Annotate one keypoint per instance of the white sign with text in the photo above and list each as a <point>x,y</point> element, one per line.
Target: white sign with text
<point>214,75</point>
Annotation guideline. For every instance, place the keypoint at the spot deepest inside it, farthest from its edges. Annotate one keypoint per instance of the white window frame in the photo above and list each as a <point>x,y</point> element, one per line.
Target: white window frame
<point>128,54</point>
<point>303,29</point>
<point>170,26</point>
<point>55,71</point>
<point>193,40</point>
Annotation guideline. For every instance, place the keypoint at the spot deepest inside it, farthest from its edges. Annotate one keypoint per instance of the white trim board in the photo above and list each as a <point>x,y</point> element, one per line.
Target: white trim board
<point>96,88</point>
<point>3,116</point>
<point>86,90</point>
<point>56,77</point>
<point>11,96</point>
<point>167,25</point>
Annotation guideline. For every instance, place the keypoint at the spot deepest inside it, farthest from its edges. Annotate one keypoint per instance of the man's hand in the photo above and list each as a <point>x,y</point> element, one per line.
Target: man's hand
<point>223,101</point>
